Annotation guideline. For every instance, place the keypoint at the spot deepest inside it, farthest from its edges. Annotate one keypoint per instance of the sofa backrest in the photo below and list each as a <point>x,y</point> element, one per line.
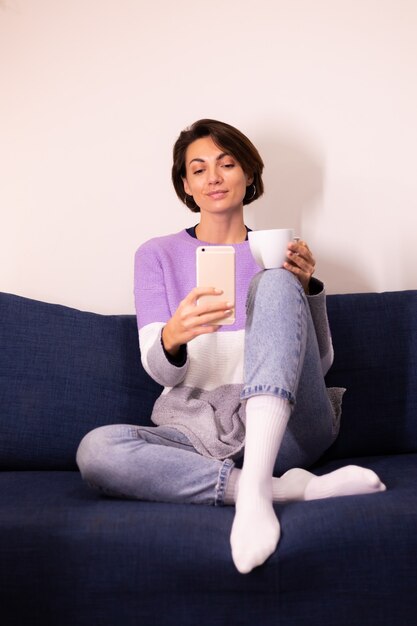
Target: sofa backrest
<point>64,372</point>
<point>375,343</point>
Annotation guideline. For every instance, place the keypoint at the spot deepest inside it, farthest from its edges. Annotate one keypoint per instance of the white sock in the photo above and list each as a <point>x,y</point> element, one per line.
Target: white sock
<point>291,485</point>
<point>256,531</point>
<point>345,481</point>
<point>299,484</point>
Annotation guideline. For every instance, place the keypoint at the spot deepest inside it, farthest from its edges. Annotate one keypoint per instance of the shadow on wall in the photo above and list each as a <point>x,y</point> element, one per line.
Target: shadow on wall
<point>294,178</point>
<point>340,278</point>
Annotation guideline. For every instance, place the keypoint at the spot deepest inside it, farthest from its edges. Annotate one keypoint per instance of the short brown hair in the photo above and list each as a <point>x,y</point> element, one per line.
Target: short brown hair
<point>227,138</point>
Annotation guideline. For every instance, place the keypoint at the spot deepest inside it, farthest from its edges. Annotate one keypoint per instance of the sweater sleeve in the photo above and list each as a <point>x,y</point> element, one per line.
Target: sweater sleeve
<point>152,313</point>
<point>317,303</point>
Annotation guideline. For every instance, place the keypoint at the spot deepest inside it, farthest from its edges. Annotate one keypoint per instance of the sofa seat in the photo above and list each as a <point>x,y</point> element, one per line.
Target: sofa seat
<point>76,551</point>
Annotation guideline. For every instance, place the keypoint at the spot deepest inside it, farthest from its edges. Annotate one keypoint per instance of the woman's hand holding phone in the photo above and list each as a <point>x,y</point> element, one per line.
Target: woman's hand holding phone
<point>192,319</point>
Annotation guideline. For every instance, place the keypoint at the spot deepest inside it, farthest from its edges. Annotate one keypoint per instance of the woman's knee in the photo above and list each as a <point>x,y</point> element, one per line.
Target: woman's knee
<point>277,283</point>
<point>274,280</point>
<point>93,450</point>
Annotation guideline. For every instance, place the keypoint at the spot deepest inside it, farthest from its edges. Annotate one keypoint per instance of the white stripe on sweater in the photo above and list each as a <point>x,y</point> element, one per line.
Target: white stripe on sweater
<point>215,359</point>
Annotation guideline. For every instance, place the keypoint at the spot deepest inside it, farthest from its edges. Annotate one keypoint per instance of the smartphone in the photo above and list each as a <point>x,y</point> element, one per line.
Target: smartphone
<point>216,268</point>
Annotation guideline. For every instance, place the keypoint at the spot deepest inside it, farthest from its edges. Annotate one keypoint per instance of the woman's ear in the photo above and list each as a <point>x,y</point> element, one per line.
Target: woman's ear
<point>249,178</point>
<point>186,187</point>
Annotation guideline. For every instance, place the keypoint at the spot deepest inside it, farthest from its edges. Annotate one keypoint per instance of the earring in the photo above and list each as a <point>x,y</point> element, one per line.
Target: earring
<point>254,192</point>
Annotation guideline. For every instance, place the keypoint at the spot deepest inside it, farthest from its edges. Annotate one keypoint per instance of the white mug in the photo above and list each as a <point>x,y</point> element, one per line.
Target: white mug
<point>269,247</point>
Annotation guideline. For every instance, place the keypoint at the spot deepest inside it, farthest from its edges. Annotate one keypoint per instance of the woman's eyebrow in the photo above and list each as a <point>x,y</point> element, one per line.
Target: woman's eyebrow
<point>218,158</point>
<point>196,160</point>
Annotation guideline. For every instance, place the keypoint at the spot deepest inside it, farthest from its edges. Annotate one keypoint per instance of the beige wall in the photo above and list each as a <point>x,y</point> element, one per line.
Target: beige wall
<point>93,93</point>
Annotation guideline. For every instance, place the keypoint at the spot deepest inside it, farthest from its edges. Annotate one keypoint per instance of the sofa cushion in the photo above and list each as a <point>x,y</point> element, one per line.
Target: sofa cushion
<point>62,373</point>
<point>72,557</point>
<point>375,343</point>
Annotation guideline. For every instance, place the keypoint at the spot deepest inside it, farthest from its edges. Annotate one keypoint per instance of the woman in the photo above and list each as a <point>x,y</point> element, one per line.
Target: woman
<point>253,389</point>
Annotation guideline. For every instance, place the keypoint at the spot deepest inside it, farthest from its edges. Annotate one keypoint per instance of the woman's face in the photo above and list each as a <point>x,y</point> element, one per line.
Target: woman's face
<point>214,178</point>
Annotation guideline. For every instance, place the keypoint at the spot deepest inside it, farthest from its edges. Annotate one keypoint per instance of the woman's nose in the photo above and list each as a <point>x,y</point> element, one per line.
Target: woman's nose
<point>214,175</point>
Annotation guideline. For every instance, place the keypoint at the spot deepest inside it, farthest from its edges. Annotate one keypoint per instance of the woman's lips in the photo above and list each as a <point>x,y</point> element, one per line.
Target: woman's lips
<point>217,195</point>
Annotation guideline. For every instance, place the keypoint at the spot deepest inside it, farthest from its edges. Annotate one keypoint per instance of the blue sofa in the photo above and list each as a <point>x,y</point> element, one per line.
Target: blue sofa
<point>69,557</point>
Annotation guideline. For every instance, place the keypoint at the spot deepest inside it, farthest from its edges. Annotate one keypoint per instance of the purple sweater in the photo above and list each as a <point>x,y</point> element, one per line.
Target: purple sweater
<point>201,396</point>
